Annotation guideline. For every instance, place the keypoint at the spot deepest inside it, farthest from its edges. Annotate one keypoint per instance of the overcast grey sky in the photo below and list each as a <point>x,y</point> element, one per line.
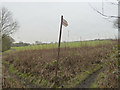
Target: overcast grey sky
<point>40,21</point>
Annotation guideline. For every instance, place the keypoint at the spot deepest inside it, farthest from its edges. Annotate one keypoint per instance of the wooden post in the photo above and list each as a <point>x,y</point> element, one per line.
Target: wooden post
<point>58,51</point>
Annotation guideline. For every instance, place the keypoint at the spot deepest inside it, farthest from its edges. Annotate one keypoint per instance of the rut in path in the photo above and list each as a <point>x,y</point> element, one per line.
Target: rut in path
<point>86,83</point>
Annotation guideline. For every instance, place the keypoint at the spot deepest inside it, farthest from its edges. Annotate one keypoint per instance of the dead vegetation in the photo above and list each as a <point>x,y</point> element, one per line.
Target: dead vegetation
<point>38,66</point>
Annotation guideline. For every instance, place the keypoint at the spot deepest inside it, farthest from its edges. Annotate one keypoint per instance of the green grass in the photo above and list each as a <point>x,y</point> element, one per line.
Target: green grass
<point>94,85</point>
<point>64,44</point>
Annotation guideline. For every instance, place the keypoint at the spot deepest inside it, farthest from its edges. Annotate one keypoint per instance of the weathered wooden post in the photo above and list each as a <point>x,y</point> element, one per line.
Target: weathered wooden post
<point>63,22</point>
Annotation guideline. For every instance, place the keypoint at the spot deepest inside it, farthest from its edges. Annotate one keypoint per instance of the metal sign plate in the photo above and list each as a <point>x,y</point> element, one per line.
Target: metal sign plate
<point>65,23</point>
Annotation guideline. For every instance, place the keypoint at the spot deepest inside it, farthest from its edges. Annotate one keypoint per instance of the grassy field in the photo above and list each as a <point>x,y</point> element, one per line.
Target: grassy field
<point>36,64</point>
<point>63,45</point>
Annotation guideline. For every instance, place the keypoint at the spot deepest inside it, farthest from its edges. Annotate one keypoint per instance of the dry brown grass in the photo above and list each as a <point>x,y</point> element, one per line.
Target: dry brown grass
<point>41,63</point>
<point>110,77</point>
<point>9,81</point>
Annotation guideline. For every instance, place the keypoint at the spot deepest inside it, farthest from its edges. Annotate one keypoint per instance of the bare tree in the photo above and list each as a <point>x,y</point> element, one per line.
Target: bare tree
<point>102,12</point>
<point>7,24</point>
<point>109,17</point>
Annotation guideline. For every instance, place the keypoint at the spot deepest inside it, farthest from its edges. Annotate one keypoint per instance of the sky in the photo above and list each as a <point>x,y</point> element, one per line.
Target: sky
<point>40,21</point>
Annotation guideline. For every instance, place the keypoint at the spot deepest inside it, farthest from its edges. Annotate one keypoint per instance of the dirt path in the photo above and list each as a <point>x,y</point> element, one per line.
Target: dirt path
<point>86,83</point>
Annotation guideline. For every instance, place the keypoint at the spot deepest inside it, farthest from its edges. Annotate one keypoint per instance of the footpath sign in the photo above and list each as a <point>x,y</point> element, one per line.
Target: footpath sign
<point>63,22</point>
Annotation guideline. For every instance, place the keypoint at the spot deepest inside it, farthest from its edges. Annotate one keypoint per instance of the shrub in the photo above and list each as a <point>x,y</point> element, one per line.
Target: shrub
<point>6,42</point>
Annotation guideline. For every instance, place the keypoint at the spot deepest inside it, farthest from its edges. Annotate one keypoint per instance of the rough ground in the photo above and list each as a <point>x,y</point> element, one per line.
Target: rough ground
<point>26,83</point>
<point>84,84</point>
<point>90,79</point>
<point>41,64</point>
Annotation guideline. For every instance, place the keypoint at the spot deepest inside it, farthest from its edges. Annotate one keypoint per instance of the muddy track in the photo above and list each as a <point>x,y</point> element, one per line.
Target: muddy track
<point>87,82</point>
<point>26,83</point>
